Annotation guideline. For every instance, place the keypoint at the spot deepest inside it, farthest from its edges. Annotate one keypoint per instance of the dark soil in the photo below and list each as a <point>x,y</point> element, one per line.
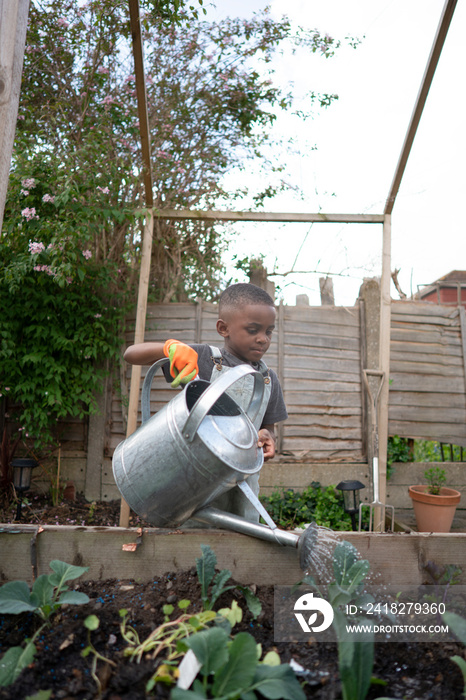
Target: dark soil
<point>408,671</point>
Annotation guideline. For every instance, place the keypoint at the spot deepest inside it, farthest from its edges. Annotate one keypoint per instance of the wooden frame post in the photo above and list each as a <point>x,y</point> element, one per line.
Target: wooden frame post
<point>384,360</point>
<point>144,274</point>
<point>13,28</point>
<point>141,312</point>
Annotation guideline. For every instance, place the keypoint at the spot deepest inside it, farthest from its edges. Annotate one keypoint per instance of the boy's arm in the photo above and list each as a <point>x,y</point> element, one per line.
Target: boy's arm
<point>183,358</point>
<point>144,353</point>
<point>267,441</point>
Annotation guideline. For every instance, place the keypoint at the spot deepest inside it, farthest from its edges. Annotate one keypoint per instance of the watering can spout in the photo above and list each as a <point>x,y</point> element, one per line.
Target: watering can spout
<point>304,543</point>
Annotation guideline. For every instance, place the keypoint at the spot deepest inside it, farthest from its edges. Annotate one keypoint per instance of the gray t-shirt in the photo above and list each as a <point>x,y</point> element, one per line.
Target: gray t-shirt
<point>276,409</point>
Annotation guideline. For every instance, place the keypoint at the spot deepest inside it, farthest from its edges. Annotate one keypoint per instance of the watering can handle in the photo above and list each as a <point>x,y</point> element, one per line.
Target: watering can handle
<point>216,390</point>
<point>209,397</point>
<point>145,397</point>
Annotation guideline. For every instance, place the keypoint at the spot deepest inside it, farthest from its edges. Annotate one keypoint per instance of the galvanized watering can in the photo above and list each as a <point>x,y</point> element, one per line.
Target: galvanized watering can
<point>195,448</point>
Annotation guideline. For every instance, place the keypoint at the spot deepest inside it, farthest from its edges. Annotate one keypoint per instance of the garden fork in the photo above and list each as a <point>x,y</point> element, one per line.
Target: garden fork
<point>376,503</point>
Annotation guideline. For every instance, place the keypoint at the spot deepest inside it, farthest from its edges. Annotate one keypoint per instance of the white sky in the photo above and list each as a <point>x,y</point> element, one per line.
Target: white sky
<point>359,139</point>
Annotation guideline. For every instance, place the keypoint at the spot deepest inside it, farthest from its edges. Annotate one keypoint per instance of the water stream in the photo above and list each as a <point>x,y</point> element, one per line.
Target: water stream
<point>318,552</point>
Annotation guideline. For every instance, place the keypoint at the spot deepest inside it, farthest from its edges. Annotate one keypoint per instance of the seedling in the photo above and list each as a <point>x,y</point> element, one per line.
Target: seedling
<point>232,669</point>
<point>91,623</point>
<point>436,478</point>
<point>208,578</point>
<point>164,637</point>
<point>355,658</point>
<point>458,625</point>
<point>48,593</point>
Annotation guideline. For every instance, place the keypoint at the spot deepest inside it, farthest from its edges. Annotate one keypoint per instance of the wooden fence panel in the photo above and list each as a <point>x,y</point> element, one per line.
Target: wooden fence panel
<point>320,372</point>
<point>322,383</point>
<point>427,396</point>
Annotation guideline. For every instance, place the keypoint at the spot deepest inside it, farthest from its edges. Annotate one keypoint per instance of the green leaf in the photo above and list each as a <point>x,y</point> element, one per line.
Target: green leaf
<point>357,572</point>
<point>218,586</point>
<point>15,598</point>
<point>252,601</point>
<point>271,659</point>
<point>73,598</point>
<point>205,567</point>
<point>356,660</point>
<point>180,694</point>
<point>233,614</point>
<point>462,666</point>
<point>210,648</point>
<point>41,695</point>
<point>344,557</point>
<point>43,590</point>
<point>457,624</point>
<point>13,662</point>
<point>238,673</point>
<point>278,683</point>
<point>64,572</point>
<point>92,622</point>
<point>338,596</point>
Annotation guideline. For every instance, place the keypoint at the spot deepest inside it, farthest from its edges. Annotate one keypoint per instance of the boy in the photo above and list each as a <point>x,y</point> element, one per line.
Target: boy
<point>246,322</point>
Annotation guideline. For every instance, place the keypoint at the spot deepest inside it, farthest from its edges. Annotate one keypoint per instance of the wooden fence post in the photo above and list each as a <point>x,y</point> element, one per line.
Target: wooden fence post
<point>138,338</point>
<point>369,296</point>
<point>281,367</point>
<point>384,356</point>
<point>13,27</point>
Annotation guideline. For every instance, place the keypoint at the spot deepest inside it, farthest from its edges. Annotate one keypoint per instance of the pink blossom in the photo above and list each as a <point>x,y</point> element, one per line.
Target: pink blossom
<point>105,190</point>
<point>97,315</point>
<point>45,268</point>
<point>29,213</point>
<point>24,193</point>
<point>108,100</point>
<point>62,22</point>
<point>36,247</point>
<point>103,69</point>
<point>87,254</point>
<point>28,183</point>
<point>48,198</point>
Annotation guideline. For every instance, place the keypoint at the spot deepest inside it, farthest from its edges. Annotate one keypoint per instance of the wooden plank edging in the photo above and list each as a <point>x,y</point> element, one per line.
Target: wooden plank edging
<point>396,557</point>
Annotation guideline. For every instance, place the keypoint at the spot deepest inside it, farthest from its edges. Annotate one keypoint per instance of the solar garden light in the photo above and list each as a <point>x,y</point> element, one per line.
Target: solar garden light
<point>350,490</point>
<point>22,474</point>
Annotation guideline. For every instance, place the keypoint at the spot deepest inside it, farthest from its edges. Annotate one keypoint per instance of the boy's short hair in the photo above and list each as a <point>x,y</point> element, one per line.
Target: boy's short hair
<point>244,293</point>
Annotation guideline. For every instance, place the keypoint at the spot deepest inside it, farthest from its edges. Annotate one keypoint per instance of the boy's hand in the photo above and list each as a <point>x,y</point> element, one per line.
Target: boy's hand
<point>267,442</point>
<point>183,361</point>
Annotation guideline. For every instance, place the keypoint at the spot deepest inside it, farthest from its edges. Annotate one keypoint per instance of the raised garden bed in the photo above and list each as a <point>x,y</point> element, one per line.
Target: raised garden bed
<point>159,570</point>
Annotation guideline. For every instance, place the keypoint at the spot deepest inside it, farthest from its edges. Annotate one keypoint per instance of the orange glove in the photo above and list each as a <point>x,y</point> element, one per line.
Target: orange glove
<point>183,361</point>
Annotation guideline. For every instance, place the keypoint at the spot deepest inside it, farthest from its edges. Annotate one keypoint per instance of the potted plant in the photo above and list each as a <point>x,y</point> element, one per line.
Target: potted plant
<point>434,504</point>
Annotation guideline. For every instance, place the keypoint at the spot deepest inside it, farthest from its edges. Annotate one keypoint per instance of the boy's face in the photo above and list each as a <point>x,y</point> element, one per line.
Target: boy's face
<point>247,330</point>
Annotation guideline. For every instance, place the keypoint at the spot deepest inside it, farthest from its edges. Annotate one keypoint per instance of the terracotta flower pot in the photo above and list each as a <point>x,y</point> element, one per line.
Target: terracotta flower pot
<point>434,512</point>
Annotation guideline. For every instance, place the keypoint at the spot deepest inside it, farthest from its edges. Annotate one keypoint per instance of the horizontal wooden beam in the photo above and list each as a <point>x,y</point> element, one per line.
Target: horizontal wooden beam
<point>285,217</point>
<point>28,549</point>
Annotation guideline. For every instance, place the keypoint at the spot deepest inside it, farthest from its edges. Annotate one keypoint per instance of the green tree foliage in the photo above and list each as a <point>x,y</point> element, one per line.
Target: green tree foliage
<point>71,240</point>
<point>211,103</point>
